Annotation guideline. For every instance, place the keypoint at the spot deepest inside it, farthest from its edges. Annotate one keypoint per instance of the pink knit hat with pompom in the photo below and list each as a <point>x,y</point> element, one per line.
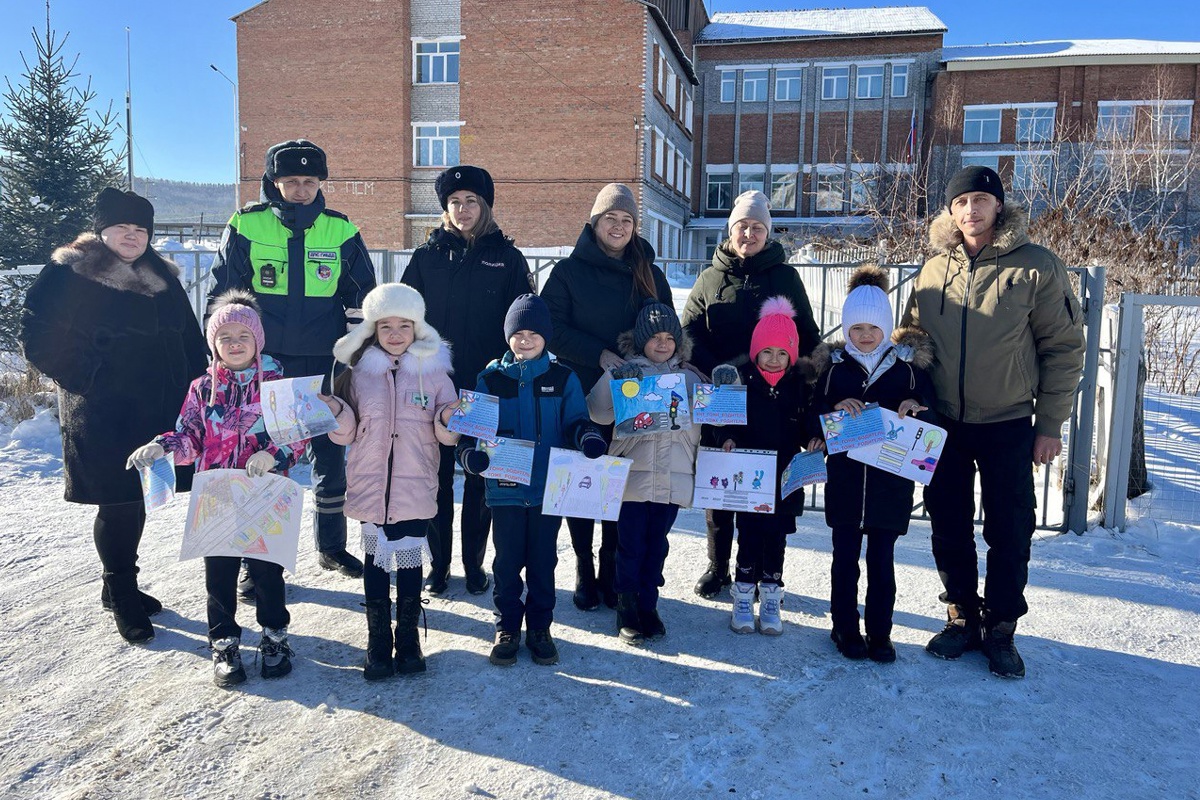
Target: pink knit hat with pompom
<point>776,328</point>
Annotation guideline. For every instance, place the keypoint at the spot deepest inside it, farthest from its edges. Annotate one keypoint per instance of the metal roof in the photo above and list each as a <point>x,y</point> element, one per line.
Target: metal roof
<point>820,23</point>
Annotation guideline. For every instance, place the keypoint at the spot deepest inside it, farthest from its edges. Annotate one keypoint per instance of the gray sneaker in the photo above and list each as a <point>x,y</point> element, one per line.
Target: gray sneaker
<point>275,654</point>
<point>227,662</point>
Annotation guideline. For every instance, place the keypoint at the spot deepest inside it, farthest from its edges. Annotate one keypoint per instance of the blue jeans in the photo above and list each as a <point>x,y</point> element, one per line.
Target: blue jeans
<point>524,540</point>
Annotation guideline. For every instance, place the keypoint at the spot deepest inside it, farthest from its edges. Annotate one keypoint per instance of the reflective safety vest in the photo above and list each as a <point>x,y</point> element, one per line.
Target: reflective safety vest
<point>268,239</point>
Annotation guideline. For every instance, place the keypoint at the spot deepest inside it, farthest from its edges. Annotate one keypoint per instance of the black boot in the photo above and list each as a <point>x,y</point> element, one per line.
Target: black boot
<point>408,642</point>
<point>607,576</point>
<point>133,623</point>
<point>1003,659</point>
<point>151,604</point>
<point>378,664</point>
<point>962,633</point>
<point>714,580</point>
<point>587,596</point>
<point>850,643</point>
<point>629,626</point>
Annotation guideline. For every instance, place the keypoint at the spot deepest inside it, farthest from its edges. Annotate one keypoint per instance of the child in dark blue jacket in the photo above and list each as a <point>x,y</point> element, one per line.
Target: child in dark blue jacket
<point>863,501</point>
<point>541,401</point>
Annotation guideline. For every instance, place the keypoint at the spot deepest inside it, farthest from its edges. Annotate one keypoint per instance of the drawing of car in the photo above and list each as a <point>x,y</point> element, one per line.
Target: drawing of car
<point>585,482</point>
<point>763,507</point>
<point>643,421</point>
<point>925,464</point>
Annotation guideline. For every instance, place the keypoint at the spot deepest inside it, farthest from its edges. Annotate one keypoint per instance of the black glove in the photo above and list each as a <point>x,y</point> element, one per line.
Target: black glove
<point>724,374</point>
<point>627,371</point>
<point>593,445</point>
<point>475,461</point>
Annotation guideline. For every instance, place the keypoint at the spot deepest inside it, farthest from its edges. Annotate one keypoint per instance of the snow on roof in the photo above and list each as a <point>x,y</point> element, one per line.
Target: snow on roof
<point>820,22</point>
<point>1068,48</point>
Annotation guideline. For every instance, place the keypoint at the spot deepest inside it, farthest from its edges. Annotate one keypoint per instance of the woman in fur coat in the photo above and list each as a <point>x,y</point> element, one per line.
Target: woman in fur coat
<point>108,321</point>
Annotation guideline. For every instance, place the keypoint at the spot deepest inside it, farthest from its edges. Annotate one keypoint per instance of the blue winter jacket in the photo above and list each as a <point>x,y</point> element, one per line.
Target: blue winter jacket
<point>541,401</point>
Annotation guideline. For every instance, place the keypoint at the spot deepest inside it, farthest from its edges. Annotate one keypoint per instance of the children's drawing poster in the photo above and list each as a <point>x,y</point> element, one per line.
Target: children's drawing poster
<point>653,404</point>
<point>158,482</point>
<point>477,415</point>
<point>509,460</point>
<point>910,448</point>
<point>292,411</point>
<point>232,514</point>
<point>588,488</point>
<point>740,480</point>
<point>844,431</point>
<point>803,470</point>
<point>719,405</point>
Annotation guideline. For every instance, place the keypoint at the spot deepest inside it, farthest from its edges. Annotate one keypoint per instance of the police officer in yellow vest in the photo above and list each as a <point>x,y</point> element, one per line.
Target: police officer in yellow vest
<point>309,270</point>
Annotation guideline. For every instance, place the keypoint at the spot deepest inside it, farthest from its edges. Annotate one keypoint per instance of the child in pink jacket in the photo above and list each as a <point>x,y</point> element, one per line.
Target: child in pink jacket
<point>392,405</point>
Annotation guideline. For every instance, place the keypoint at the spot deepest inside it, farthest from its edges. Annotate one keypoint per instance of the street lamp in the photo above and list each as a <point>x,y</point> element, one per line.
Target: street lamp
<point>237,139</point>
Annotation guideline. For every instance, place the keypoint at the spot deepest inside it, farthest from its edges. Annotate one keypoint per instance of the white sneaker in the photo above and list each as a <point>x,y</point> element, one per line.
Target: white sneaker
<point>770,602</point>
<point>227,662</point>
<point>743,607</point>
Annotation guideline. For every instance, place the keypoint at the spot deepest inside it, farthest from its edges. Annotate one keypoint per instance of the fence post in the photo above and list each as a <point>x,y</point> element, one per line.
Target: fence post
<point>1130,332</point>
<point>1079,459</point>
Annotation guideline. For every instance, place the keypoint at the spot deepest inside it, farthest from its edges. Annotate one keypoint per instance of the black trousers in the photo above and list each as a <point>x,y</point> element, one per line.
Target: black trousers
<point>762,540</point>
<point>220,579</point>
<point>642,548</point>
<point>117,532</point>
<point>583,533</point>
<point>881,579</point>
<point>719,524</point>
<point>1002,453</point>
<point>525,540</point>
<point>376,581</point>
<point>475,522</point>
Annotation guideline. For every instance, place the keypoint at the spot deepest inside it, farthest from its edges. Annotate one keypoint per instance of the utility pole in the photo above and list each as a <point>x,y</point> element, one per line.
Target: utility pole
<point>128,109</point>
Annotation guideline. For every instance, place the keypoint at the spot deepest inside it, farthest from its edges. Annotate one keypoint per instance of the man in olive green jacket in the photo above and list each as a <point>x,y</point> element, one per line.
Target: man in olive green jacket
<point>1008,347</point>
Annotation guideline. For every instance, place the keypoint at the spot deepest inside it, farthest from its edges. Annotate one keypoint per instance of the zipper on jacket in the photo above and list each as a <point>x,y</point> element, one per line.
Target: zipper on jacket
<point>387,486</point>
<point>962,342</point>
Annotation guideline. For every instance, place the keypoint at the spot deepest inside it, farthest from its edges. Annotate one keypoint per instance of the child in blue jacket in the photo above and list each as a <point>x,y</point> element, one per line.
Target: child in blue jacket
<point>541,401</point>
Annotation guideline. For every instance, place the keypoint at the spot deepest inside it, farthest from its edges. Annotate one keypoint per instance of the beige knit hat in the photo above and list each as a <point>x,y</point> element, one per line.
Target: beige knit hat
<point>615,197</point>
<point>751,205</point>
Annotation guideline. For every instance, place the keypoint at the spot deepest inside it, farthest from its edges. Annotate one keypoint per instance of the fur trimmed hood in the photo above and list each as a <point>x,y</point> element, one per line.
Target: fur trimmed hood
<point>90,258</point>
<point>394,300</point>
<point>1012,230</point>
<point>423,358</point>
<point>626,349</point>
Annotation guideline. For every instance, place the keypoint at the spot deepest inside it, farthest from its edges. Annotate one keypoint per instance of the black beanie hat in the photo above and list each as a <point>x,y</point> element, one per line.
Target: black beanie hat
<point>974,179</point>
<point>296,157</point>
<point>465,176</point>
<point>528,313</point>
<point>655,317</point>
<point>114,207</point>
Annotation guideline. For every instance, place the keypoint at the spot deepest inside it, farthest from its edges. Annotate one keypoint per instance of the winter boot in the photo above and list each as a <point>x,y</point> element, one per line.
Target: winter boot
<point>743,607</point>
<point>713,580</point>
<point>409,658</point>
<point>587,594</point>
<point>541,647</point>
<point>961,633</point>
<point>274,651</point>
<point>607,577</point>
<point>227,662</point>
<point>1003,659</point>
<point>378,664</point>
<point>150,605</point>
<point>438,581</point>
<point>652,624</point>
<point>770,604</point>
<point>849,643</point>
<point>133,623</point>
<point>629,625</point>
<point>504,651</point>
<point>880,649</point>
<point>341,561</point>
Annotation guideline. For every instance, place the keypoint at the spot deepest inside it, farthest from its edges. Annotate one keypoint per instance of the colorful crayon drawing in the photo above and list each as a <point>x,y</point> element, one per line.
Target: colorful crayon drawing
<point>158,482</point>
<point>577,486</point>
<point>232,514</point>
<point>721,480</point>
<point>652,404</point>
<point>293,412</point>
<point>912,453</point>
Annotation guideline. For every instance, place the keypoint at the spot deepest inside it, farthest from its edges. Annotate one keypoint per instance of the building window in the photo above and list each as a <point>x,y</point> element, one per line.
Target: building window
<point>787,84</point>
<point>754,86</point>
<point>728,86</point>
<point>1172,122</point>
<point>835,83</point>
<point>831,191</point>
<point>1031,173</point>
<point>1115,121</point>
<point>672,93</point>
<point>991,162</point>
<point>981,125</point>
<point>750,182</point>
<point>863,189</point>
<point>1035,124</point>
<point>437,62</point>
<point>711,241</point>
<point>687,113</point>
<point>435,145</point>
<point>660,152</point>
<point>900,80</point>
<point>783,191</point>
<point>720,192</point>
<point>869,83</point>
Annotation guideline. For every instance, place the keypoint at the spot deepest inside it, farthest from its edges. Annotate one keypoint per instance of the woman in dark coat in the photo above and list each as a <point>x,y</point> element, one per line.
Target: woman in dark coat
<point>594,296</point>
<point>469,273</point>
<point>720,315</point>
<point>109,322</point>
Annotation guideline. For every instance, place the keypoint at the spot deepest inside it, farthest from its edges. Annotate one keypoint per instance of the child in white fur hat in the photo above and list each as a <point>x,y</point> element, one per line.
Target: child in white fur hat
<point>393,405</point>
<point>873,365</point>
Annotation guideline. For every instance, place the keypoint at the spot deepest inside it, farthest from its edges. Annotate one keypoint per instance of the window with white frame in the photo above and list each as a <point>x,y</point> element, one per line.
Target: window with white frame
<point>835,83</point>
<point>981,125</point>
<point>900,80</point>
<point>687,113</point>
<point>668,173</point>
<point>992,162</point>
<point>831,190</point>
<point>660,150</point>
<point>720,192</point>
<point>787,84</point>
<point>864,185</point>
<point>869,83</point>
<point>754,86</point>
<point>1115,121</point>
<point>435,145</point>
<point>783,191</point>
<point>1031,172</point>
<point>750,181</point>
<point>436,62</point>
<point>1171,122</point>
<point>672,93</point>
<point>1035,124</point>
<point>662,74</point>
<point>728,86</point>
<point>687,178</point>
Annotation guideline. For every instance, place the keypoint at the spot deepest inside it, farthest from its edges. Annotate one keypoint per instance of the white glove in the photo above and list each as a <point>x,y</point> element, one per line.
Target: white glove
<point>144,456</point>
<point>260,464</point>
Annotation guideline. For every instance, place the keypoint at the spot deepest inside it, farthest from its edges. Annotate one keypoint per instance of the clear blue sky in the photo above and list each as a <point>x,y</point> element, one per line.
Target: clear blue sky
<point>183,111</point>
